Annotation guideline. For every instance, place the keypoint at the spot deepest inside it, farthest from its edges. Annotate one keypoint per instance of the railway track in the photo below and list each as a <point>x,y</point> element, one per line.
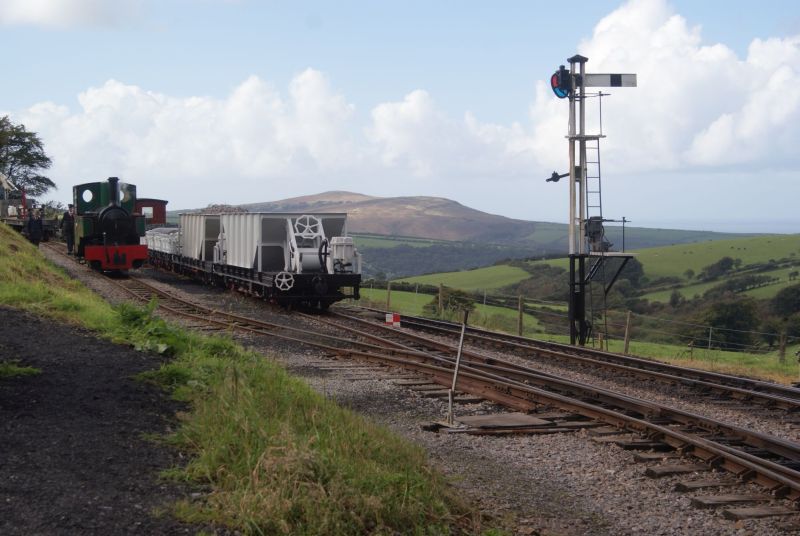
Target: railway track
<point>771,462</point>
<point>721,386</point>
<point>768,461</point>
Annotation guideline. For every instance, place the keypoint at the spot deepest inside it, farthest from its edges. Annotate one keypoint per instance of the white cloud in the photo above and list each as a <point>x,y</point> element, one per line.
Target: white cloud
<point>697,104</point>
<point>699,110</point>
<point>67,13</point>
<point>163,142</point>
<point>414,135</point>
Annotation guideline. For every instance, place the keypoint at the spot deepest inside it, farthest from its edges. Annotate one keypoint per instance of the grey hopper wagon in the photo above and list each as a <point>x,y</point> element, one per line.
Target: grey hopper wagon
<point>284,257</point>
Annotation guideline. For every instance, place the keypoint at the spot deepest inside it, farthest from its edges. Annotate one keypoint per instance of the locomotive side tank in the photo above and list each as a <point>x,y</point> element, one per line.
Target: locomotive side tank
<point>107,231</point>
<point>285,257</point>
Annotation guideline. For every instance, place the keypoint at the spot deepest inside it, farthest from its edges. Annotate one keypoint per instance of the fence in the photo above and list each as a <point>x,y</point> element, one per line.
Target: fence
<point>622,326</point>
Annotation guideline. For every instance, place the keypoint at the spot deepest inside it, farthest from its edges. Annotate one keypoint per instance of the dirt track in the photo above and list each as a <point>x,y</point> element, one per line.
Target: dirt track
<point>73,459</point>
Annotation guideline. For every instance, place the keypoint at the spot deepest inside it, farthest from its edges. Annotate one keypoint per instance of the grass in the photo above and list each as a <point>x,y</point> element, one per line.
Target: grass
<point>487,316</point>
<point>766,366</point>
<point>12,369</point>
<point>490,278</point>
<point>277,457</point>
<point>673,261</point>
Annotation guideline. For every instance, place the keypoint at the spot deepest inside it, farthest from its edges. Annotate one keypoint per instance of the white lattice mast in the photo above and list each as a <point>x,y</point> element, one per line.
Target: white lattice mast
<point>572,83</point>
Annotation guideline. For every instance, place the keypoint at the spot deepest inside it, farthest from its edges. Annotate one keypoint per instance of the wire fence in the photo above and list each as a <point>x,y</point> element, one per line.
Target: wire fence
<point>616,324</point>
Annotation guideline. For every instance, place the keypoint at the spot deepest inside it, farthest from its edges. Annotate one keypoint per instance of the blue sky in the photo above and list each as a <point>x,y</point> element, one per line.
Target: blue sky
<point>203,101</point>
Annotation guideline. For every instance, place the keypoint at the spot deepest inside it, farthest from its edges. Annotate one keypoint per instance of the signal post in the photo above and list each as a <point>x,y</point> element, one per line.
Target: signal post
<point>585,216</point>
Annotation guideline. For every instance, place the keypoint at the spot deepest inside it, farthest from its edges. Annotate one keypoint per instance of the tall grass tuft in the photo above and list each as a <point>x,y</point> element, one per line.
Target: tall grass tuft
<point>282,459</point>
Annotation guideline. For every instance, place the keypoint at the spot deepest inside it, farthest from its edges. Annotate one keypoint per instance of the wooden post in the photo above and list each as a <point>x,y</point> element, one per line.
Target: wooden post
<point>627,333</point>
<point>710,328</point>
<point>388,295</point>
<point>452,391</point>
<point>519,318</point>
<point>782,348</point>
<point>441,300</point>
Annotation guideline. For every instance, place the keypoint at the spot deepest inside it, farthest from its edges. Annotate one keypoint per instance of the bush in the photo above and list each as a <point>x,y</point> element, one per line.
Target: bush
<point>787,301</point>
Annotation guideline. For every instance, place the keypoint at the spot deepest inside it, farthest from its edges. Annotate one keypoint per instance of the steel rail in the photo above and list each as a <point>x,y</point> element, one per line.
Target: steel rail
<point>780,480</point>
<point>509,370</point>
<point>770,394</point>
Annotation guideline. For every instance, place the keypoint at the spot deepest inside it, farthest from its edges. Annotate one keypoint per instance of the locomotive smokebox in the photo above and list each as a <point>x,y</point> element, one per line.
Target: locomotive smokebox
<point>113,191</point>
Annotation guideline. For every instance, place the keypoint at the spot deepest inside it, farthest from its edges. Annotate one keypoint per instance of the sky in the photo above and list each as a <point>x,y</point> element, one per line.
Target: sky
<point>240,101</point>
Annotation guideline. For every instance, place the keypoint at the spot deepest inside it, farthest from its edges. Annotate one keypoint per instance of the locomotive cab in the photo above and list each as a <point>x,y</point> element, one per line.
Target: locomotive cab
<point>107,231</point>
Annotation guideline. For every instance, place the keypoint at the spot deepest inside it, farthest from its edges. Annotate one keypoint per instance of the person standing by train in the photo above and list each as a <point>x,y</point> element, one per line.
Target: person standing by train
<point>68,227</point>
<point>35,227</point>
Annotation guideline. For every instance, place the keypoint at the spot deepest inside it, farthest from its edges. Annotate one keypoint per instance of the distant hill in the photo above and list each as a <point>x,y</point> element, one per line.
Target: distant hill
<point>438,218</point>
<point>423,217</point>
<point>390,231</point>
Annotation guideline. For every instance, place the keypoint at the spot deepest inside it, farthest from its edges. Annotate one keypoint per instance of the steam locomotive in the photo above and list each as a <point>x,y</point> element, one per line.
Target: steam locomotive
<point>108,234</point>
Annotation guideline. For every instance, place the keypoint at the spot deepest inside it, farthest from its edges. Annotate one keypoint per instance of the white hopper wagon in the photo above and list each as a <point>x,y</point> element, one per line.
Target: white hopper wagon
<point>286,257</point>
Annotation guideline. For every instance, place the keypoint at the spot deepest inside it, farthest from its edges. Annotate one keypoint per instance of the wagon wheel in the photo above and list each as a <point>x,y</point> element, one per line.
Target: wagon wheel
<point>308,226</point>
<point>284,281</point>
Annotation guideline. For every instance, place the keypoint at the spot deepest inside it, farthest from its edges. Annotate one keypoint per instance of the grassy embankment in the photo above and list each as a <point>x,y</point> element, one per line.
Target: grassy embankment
<point>277,457</point>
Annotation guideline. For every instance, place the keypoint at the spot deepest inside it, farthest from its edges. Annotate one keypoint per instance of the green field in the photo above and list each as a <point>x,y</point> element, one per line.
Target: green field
<point>492,277</point>
<point>765,292</point>
<point>492,317</point>
<point>673,261</point>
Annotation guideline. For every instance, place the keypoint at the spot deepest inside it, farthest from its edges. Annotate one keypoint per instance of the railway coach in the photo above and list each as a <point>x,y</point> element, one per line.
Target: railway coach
<point>288,258</point>
<point>108,233</point>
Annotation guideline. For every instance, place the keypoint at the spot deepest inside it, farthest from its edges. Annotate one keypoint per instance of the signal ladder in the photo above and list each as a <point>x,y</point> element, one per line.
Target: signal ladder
<point>594,199</point>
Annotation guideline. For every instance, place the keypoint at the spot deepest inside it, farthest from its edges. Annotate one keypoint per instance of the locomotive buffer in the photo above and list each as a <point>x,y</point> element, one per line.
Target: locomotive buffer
<point>586,231</point>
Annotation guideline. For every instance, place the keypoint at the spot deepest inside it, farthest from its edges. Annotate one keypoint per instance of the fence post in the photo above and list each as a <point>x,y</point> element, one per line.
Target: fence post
<point>441,300</point>
<point>710,328</point>
<point>484,296</point>
<point>519,318</point>
<point>782,348</point>
<point>388,295</point>
<point>627,333</point>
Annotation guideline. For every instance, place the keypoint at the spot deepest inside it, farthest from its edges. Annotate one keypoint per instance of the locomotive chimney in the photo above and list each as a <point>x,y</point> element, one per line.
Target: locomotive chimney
<point>113,191</point>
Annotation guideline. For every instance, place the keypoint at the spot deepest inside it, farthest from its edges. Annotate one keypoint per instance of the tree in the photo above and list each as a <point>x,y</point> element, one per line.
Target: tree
<point>689,273</point>
<point>787,301</point>
<point>717,269</point>
<point>633,272</point>
<point>22,158</point>
<point>771,329</point>
<point>732,322</point>
<point>453,300</point>
<point>676,299</point>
